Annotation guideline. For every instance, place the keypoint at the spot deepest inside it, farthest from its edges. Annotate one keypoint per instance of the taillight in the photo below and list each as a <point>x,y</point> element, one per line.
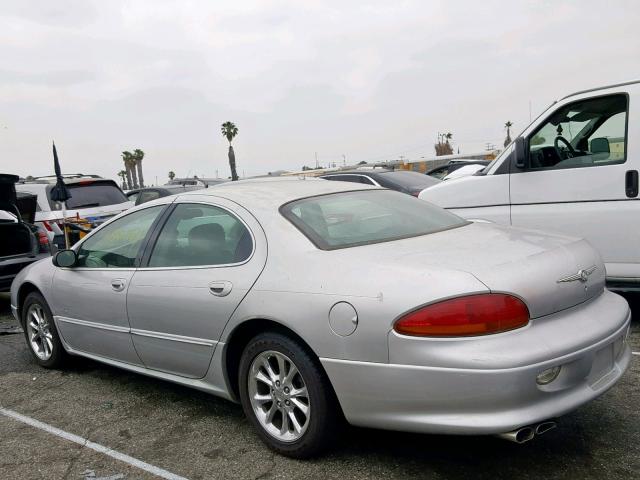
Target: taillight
<point>43,241</point>
<point>47,226</point>
<point>465,316</point>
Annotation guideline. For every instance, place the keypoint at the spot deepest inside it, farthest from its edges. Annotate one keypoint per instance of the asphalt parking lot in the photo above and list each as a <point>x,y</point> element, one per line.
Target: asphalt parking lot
<point>196,436</point>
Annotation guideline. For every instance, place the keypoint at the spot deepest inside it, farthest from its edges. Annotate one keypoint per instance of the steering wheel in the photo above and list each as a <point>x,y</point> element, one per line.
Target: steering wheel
<point>569,152</point>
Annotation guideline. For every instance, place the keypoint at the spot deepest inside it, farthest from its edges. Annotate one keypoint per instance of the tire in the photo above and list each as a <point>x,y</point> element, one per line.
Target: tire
<point>46,348</point>
<point>322,419</point>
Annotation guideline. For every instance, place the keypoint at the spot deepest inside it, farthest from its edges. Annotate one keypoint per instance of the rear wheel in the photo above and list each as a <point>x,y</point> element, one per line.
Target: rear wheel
<point>287,396</point>
<point>40,332</point>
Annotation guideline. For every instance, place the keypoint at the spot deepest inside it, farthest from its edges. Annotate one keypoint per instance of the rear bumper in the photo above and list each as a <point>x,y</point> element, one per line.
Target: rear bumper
<point>476,400</point>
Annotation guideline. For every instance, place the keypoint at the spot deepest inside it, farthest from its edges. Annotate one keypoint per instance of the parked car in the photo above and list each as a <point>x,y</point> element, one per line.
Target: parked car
<point>94,198</point>
<point>464,171</point>
<point>143,195</point>
<point>573,170</point>
<point>21,242</point>
<point>359,283</point>
<point>443,170</point>
<point>400,180</point>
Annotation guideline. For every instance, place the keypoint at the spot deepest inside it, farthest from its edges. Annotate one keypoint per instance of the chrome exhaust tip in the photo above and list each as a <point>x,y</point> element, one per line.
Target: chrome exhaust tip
<point>520,435</point>
<point>544,427</point>
<point>524,434</point>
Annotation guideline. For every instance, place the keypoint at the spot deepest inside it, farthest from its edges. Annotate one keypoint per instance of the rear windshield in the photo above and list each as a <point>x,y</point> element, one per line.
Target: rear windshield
<point>349,219</point>
<point>92,195</point>
<point>410,180</point>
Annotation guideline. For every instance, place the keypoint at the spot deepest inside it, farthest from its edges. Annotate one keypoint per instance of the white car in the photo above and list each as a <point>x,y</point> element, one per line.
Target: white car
<point>464,171</point>
<point>93,198</point>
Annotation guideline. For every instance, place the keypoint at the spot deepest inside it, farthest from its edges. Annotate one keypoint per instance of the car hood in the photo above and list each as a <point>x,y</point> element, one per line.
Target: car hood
<point>535,266</point>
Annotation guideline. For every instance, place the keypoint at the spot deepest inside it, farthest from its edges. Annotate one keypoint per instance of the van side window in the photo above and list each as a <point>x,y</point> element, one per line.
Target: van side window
<point>587,133</point>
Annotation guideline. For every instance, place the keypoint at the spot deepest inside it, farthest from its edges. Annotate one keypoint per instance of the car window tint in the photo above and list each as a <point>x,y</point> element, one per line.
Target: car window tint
<point>366,180</point>
<point>148,195</point>
<point>92,194</point>
<point>587,133</point>
<point>198,235</point>
<point>117,244</point>
<point>348,219</point>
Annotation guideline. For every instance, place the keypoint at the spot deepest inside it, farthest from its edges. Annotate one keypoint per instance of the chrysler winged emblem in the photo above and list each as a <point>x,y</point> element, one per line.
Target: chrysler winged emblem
<point>582,275</point>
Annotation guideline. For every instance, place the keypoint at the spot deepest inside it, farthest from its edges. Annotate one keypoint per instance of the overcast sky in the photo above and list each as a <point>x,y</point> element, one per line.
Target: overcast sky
<point>369,80</point>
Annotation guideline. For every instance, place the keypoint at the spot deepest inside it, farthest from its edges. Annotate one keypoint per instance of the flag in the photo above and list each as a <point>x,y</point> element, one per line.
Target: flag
<point>59,193</point>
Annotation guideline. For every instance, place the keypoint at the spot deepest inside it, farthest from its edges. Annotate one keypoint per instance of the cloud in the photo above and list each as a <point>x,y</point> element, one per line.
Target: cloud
<point>369,79</point>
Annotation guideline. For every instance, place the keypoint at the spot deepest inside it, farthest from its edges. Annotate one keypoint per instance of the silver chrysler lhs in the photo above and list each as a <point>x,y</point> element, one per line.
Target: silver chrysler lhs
<point>311,301</point>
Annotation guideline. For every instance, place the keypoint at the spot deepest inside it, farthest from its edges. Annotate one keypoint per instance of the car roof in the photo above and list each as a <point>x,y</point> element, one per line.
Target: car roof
<point>271,193</point>
<point>370,172</point>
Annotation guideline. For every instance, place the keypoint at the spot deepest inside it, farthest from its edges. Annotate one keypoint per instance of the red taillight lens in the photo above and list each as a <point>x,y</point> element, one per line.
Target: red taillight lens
<point>466,316</point>
<point>47,226</point>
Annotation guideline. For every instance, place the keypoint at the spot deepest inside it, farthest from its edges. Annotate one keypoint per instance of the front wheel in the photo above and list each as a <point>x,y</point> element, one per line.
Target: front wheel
<point>287,397</point>
<point>40,332</point>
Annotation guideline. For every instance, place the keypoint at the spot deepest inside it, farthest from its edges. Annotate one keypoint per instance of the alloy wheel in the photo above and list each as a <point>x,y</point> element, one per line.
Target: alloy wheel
<point>39,332</point>
<point>278,396</point>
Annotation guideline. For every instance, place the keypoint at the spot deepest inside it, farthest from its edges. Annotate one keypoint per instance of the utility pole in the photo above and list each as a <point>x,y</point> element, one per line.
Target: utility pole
<point>316,160</point>
<point>344,160</point>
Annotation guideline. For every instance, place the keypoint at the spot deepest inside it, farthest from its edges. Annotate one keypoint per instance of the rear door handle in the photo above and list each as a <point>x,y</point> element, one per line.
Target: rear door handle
<point>220,288</point>
<point>118,284</point>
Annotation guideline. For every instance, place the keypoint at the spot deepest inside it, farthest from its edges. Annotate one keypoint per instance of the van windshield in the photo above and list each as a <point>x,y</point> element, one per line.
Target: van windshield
<point>349,219</point>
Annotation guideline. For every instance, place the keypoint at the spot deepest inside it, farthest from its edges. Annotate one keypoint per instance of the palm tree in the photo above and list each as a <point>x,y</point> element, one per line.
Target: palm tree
<point>128,164</point>
<point>229,130</point>
<point>122,174</point>
<point>138,155</point>
<point>172,175</point>
<point>508,126</point>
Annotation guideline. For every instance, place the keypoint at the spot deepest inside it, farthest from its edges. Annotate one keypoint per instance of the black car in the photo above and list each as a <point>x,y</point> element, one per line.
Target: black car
<point>21,242</point>
<point>143,195</point>
<point>400,180</point>
<point>444,170</point>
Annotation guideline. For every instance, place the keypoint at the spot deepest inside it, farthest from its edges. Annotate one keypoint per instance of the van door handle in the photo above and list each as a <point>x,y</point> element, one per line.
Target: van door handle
<point>631,183</point>
<point>220,288</point>
<point>118,284</point>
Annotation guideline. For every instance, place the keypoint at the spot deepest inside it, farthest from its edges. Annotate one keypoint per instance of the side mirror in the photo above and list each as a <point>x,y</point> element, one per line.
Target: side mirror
<point>65,258</point>
<point>520,152</point>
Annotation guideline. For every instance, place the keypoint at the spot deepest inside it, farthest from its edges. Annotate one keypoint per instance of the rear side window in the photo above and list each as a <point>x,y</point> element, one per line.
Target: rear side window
<point>93,194</point>
<point>200,235</point>
<point>147,196</point>
<point>349,219</point>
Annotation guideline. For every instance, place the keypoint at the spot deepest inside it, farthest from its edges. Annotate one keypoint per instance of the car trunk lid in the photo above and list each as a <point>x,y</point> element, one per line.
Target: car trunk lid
<point>541,269</point>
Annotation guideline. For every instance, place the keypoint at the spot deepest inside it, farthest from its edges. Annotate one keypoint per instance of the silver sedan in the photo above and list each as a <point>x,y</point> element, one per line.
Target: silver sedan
<point>311,301</point>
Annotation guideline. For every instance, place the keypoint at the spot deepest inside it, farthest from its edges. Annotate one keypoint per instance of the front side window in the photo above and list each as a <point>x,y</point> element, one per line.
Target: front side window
<point>583,134</point>
<point>117,244</point>
<point>349,219</point>
<point>200,235</point>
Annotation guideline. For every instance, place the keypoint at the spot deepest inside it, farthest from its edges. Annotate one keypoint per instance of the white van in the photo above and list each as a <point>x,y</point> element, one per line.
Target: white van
<point>574,170</point>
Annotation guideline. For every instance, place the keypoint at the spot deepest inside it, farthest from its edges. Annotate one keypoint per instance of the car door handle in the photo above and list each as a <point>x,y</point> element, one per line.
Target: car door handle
<point>118,284</point>
<point>220,288</point>
<point>631,183</point>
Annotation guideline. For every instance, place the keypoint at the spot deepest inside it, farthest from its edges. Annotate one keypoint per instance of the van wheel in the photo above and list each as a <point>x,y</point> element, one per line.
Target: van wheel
<point>287,396</point>
<point>40,332</point>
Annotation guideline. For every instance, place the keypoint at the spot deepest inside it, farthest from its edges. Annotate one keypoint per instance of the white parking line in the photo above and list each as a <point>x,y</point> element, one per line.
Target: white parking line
<point>635,353</point>
<point>85,442</point>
